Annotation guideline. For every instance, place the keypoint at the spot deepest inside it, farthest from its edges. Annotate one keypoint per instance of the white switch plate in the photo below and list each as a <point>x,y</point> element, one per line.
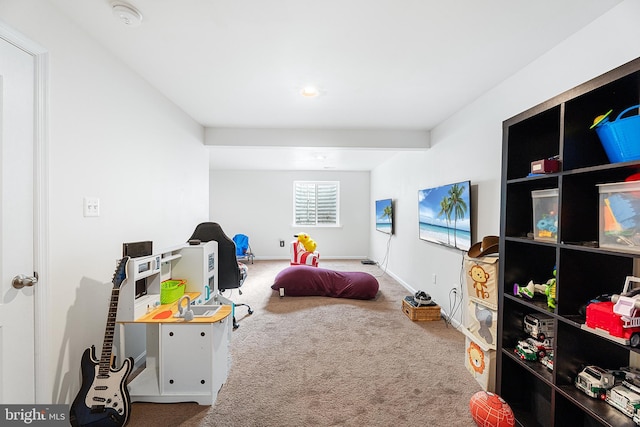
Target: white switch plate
<point>91,206</point>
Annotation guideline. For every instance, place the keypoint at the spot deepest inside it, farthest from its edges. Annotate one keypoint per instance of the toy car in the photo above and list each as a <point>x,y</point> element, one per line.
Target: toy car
<point>624,399</point>
<point>548,360</point>
<point>595,381</point>
<point>526,351</point>
<point>532,349</point>
<point>539,325</point>
<point>618,319</point>
<point>631,378</point>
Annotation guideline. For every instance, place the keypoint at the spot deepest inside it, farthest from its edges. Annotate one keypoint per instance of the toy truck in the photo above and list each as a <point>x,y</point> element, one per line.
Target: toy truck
<point>625,400</point>
<point>595,381</point>
<point>539,325</point>
<point>618,319</point>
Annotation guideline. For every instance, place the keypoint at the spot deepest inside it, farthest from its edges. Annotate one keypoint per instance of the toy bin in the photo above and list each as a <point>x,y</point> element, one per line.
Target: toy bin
<point>171,290</point>
<point>482,323</point>
<point>619,225</point>
<point>480,361</point>
<point>620,138</point>
<point>481,276</point>
<point>545,214</point>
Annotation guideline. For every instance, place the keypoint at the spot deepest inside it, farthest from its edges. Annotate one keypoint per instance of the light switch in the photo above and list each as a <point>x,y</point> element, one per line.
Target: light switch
<point>91,206</point>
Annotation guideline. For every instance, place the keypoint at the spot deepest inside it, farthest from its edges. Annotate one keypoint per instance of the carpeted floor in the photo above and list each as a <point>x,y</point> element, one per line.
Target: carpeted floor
<point>316,361</point>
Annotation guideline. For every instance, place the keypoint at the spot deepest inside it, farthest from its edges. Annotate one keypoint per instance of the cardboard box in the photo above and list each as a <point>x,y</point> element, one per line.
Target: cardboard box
<point>545,166</point>
<point>481,363</point>
<point>482,280</point>
<point>419,313</point>
<point>619,225</point>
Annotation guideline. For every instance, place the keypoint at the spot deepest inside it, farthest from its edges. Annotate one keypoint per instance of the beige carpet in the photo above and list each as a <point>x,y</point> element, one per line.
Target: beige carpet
<point>316,361</point>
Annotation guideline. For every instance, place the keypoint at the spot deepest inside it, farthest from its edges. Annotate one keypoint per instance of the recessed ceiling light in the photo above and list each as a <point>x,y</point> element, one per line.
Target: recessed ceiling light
<point>127,14</point>
<point>309,92</point>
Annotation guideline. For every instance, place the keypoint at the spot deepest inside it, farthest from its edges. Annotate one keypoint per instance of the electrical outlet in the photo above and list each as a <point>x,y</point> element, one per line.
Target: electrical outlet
<point>282,243</point>
<point>434,277</point>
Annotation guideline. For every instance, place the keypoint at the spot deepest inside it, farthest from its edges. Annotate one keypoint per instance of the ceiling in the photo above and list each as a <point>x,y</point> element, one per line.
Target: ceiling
<point>379,64</point>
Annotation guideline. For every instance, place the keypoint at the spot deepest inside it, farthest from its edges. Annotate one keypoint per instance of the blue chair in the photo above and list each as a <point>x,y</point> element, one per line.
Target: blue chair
<point>243,249</point>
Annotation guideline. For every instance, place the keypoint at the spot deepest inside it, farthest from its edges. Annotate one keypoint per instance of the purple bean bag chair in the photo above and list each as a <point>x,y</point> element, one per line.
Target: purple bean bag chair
<point>304,280</point>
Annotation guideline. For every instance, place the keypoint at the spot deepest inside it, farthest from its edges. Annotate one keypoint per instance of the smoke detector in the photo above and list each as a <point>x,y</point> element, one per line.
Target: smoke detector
<point>127,14</point>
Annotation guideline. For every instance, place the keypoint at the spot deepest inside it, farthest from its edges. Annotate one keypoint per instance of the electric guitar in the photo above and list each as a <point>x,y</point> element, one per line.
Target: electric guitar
<point>103,399</point>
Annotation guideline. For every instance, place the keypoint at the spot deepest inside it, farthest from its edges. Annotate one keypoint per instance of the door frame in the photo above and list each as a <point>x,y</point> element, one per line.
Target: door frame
<point>42,345</point>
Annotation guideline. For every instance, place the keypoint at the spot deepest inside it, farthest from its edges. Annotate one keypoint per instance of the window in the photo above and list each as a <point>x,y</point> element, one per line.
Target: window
<point>316,203</point>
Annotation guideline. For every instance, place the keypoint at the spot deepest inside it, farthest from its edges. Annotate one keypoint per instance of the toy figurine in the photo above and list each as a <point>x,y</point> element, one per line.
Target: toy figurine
<point>550,290</point>
<point>306,240</point>
<point>547,289</point>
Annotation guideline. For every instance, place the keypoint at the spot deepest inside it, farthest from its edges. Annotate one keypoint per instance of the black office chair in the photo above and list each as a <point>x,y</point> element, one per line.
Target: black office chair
<point>231,273</point>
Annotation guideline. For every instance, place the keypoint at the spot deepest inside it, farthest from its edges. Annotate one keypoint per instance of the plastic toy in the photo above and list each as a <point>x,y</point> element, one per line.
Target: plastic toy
<point>532,349</point>
<point>547,360</point>
<point>625,400</point>
<point>618,319</point>
<point>306,240</point>
<point>595,381</point>
<point>539,326</point>
<point>548,225</point>
<point>525,351</point>
<point>490,410</point>
<point>547,289</point>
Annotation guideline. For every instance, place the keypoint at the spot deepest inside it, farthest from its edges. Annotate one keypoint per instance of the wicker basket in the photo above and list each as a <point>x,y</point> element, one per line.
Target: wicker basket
<point>171,290</point>
<point>422,313</point>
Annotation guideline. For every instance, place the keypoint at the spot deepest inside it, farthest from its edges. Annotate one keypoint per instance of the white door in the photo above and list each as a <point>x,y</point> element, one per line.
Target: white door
<point>17,333</point>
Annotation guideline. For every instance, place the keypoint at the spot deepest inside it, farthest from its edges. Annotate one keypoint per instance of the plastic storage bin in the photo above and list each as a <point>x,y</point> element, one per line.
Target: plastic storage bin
<point>171,290</point>
<point>620,216</point>
<point>621,137</point>
<point>545,214</point>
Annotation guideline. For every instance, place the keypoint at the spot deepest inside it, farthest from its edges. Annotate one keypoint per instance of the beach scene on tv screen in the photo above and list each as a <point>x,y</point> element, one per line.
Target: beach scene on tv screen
<point>384,216</point>
<point>445,215</point>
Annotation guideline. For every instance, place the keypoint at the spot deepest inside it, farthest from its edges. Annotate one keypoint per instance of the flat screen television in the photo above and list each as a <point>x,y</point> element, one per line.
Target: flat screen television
<point>444,215</point>
<point>384,216</point>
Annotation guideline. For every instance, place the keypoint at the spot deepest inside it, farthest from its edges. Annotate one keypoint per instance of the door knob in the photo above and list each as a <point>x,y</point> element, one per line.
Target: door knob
<point>22,280</point>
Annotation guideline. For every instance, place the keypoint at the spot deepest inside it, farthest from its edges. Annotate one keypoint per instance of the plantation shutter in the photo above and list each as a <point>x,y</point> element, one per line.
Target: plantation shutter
<point>316,203</point>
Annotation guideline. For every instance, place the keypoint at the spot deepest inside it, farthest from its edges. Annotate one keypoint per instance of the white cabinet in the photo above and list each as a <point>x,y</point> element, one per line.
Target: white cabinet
<point>185,361</point>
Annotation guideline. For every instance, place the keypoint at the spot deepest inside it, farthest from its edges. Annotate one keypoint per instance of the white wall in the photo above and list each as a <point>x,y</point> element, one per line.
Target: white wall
<point>260,205</point>
<point>114,137</point>
<point>469,146</point>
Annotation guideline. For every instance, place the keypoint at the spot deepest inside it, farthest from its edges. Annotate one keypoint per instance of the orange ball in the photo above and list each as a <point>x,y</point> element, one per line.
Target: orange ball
<point>490,410</point>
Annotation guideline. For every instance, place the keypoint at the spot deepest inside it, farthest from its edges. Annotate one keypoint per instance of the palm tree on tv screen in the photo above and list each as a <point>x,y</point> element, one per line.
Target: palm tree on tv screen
<point>386,212</point>
<point>457,206</point>
<point>445,209</point>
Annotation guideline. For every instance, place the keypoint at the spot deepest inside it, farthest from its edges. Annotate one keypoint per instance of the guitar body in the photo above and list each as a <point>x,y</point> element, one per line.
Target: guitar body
<point>101,402</point>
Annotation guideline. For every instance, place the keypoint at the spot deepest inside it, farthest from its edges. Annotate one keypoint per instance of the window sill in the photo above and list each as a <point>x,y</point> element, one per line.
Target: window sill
<point>316,226</point>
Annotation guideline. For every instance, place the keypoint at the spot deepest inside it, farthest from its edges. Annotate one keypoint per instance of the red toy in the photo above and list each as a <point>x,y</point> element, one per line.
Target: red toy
<point>618,319</point>
<point>490,410</point>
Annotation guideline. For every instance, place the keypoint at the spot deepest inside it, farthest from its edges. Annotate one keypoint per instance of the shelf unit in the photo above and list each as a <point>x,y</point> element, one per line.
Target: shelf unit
<point>560,126</point>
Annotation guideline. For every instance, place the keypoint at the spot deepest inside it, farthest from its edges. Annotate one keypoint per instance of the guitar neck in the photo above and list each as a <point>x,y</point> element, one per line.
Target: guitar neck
<point>107,346</point>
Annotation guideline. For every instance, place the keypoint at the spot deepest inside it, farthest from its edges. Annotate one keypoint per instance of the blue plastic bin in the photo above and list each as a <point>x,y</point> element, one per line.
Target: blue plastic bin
<point>621,137</point>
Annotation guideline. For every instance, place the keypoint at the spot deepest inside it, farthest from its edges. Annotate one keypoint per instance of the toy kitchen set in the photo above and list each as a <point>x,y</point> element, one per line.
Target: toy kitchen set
<point>172,296</point>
